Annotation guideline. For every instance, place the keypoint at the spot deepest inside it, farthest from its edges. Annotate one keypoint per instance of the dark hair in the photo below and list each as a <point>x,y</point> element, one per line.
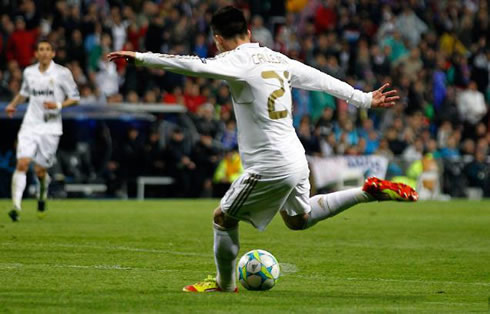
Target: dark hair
<point>229,22</point>
<point>44,40</point>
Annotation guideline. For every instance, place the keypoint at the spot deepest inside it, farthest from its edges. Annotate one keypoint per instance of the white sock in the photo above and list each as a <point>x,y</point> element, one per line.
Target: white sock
<point>42,188</point>
<point>226,248</point>
<point>324,206</point>
<point>18,186</point>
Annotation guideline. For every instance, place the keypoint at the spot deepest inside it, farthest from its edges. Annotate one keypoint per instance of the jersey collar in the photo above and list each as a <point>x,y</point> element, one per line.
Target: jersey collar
<point>48,70</point>
<point>248,45</point>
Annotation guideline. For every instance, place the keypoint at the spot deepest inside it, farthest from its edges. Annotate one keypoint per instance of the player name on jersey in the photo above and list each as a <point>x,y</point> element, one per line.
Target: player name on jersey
<point>260,58</point>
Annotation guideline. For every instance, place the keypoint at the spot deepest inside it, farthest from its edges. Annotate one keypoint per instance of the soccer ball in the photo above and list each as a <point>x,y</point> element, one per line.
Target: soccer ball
<point>258,270</point>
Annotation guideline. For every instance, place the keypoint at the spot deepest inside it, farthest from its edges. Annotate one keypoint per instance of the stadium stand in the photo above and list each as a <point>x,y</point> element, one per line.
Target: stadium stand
<point>134,122</point>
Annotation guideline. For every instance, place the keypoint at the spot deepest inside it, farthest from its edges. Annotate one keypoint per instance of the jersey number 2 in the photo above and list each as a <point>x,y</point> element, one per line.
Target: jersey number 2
<point>273,114</point>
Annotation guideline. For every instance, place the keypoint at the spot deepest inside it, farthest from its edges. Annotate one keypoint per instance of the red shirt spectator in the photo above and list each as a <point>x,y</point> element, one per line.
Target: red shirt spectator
<point>136,35</point>
<point>325,17</point>
<point>193,102</point>
<point>21,44</point>
<point>193,98</point>
<point>175,97</point>
<point>169,98</point>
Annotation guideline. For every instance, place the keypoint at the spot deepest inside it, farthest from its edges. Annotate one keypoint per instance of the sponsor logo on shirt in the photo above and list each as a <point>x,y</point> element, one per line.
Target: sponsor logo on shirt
<point>42,92</point>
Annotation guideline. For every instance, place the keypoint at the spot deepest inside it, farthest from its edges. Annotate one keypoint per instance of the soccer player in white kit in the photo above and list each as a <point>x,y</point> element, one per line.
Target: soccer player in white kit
<point>276,171</point>
<point>49,87</point>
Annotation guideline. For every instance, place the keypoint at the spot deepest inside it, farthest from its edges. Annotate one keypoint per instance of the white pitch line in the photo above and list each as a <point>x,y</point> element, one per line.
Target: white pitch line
<point>454,303</point>
<point>101,267</point>
<point>10,265</point>
<point>110,247</point>
<point>339,243</point>
<point>485,284</point>
<point>420,281</point>
<point>326,277</point>
<point>287,268</point>
<point>108,267</point>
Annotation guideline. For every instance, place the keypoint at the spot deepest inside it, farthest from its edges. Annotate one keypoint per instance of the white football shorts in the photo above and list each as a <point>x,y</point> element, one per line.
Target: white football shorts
<point>256,199</point>
<point>41,148</point>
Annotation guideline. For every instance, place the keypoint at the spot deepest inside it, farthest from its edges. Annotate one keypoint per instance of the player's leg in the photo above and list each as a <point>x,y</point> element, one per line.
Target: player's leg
<point>226,248</point>
<point>374,189</point>
<point>234,206</point>
<point>19,181</point>
<point>42,187</point>
<point>44,159</point>
<point>295,213</point>
<point>18,186</point>
<point>26,148</point>
<point>323,206</point>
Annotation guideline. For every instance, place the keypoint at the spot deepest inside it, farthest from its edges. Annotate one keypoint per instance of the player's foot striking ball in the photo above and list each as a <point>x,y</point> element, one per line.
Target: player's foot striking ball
<point>384,190</point>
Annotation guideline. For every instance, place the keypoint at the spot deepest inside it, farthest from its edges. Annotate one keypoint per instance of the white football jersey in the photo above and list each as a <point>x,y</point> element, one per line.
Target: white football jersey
<point>260,80</point>
<point>53,85</point>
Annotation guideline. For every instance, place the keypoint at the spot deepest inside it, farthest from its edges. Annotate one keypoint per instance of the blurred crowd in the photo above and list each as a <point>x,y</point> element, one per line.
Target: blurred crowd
<point>435,53</point>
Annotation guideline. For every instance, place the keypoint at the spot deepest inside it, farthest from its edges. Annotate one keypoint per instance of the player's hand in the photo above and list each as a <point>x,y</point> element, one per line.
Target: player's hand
<point>383,99</point>
<point>10,110</point>
<point>50,105</point>
<point>129,56</point>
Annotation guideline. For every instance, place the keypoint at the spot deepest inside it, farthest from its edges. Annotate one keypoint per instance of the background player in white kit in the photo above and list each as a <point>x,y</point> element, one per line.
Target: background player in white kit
<point>49,87</point>
<point>276,171</point>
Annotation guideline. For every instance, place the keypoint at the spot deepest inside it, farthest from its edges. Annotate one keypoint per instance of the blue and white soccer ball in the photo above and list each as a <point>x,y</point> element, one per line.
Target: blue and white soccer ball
<point>258,270</point>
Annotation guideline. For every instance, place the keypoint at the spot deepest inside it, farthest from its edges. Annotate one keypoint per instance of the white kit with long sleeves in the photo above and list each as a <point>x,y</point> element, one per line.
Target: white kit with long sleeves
<point>260,79</point>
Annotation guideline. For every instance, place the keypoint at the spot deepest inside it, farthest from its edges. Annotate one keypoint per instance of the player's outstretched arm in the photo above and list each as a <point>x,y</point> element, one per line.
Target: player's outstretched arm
<point>129,56</point>
<point>12,106</point>
<point>309,78</point>
<point>221,67</point>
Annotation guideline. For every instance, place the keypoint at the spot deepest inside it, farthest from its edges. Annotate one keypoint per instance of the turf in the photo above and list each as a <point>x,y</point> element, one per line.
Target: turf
<point>128,256</point>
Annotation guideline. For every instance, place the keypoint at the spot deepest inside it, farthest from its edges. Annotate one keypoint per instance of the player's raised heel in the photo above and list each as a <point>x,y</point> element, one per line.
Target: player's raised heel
<point>384,190</point>
<point>208,285</point>
<point>14,215</point>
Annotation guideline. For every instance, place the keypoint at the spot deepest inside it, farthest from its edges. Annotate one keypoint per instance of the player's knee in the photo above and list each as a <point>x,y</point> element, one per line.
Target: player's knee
<point>298,222</point>
<point>296,226</point>
<point>218,217</point>
<point>224,221</point>
<point>23,165</point>
<point>40,172</point>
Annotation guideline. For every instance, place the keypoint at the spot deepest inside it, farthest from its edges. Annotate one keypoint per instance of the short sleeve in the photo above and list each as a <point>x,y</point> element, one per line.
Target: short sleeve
<point>24,89</point>
<point>69,86</point>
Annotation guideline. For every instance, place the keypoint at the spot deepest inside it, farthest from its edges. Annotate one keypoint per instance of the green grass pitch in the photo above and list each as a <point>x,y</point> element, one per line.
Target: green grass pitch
<point>129,256</point>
